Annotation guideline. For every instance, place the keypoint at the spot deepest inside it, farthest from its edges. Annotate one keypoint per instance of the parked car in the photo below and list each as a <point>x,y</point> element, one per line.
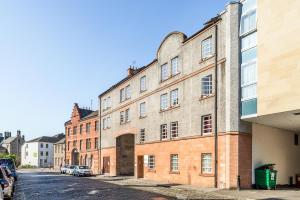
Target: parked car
<point>10,177</point>
<point>70,169</point>
<point>1,192</point>
<point>6,181</point>
<point>82,171</point>
<point>11,165</point>
<point>63,169</point>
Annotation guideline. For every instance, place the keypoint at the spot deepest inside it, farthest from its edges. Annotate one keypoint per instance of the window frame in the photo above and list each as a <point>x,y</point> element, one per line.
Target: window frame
<point>205,166</point>
<point>164,102</point>
<point>174,168</point>
<point>207,47</point>
<point>163,131</point>
<point>122,117</point>
<point>151,162</point>
<point>205,131</point>
<point>174,101</point>
<point>172,66</point>
<point>164,74</point>
<point>142,109</point>
<point>142,135</point>
<point>143,85</point>
<point>173,134</point>
<point>206,92</point>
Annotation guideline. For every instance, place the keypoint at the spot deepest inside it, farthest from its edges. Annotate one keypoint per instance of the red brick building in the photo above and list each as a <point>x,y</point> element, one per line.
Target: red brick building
<point>82,138</point>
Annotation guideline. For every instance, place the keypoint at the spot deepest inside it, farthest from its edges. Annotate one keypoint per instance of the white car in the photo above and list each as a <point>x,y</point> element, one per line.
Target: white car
<point>82,171</point>
<point>70,169</point>
<point>63,169</point>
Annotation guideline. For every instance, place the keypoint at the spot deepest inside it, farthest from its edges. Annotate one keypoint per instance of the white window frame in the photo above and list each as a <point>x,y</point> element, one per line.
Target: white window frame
<point>142,135</point>
<point>127,92</point>
<point>207,48</point>
<point>151,162</point>
<point>164,73</point>
<point>206,124</point>
<point>174,66</point>
<point>122,95</point>
<point>122,117</point>
<point>164,101</point>
<point>127,115</point>
<point>174,162</point>
<point>143,109</point>
<point>143,85</point>
<point>206,163</point>
<point>174,129</point>
<point>206,90</point>
<point>104,124</point>
<point>163,131</point>
<point>174,97</point>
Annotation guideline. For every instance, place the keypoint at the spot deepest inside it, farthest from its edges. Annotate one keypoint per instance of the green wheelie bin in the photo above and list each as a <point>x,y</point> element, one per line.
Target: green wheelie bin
<point>265,177</point>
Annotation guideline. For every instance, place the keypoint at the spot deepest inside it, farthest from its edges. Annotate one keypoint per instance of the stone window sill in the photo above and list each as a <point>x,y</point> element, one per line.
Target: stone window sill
<point>206,97</point>
<point>206,175</point>
<point>170,77</point>
<point>170,108</point>
<point>142,117</point>
<point>207,58</point>
<point>152,170</point>
<point>174,172</point>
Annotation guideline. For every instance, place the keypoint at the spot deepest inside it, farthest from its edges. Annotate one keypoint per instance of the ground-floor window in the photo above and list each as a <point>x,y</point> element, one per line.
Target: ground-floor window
<point>206,163</point>
<point>174,162</point>
<point>151,162</point>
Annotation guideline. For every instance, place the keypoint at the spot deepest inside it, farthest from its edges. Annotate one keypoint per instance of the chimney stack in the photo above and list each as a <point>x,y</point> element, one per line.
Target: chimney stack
<point>7,135</point>
<point>18,133</point>
<point>130,71</point>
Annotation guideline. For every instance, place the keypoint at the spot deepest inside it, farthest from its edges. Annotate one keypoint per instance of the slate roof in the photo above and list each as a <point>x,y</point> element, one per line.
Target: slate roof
<point>8,140</point>
<point>62,141</point>
<point>48,139</point>
<point>206,25</point>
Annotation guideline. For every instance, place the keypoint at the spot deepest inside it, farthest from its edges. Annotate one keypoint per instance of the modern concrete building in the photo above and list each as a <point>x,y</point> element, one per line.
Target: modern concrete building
<point>39,152</point>
<point>177,119</point>
<point>270,77</point>
<point>82,138</point>
<point>59,153</point>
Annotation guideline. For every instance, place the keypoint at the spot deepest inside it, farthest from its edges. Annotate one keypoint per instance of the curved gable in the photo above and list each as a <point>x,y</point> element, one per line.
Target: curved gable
<point>170,43</point>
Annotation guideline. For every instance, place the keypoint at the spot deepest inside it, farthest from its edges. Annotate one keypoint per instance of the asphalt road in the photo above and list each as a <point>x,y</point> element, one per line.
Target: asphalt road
<point>53,186</point>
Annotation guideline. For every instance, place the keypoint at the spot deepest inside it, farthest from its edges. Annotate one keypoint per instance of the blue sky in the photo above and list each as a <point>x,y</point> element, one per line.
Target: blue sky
<point>57,52</point>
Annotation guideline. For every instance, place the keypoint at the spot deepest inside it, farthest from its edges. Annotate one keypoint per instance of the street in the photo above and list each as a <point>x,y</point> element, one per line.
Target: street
<point>44,186</point>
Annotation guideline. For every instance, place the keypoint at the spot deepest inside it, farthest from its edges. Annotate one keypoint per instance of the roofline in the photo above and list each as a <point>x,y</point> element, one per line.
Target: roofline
<point>84,119</point>
<point>126,79</point>
<point>207,25</point>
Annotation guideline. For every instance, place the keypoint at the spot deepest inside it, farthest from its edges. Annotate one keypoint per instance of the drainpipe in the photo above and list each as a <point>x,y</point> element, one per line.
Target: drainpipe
<point>216,106</point>
<point>100,137</point>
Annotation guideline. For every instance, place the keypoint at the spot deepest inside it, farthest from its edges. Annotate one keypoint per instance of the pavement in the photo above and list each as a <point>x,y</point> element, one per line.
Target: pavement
<point>44,184</point>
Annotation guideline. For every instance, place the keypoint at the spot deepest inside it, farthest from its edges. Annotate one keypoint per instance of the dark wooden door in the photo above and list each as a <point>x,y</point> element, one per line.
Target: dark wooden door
<point>106,165</point>
<point>140,170</point>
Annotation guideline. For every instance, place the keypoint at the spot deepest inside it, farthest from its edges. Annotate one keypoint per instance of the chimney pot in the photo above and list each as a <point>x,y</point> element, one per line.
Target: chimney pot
<point>130,71</point>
